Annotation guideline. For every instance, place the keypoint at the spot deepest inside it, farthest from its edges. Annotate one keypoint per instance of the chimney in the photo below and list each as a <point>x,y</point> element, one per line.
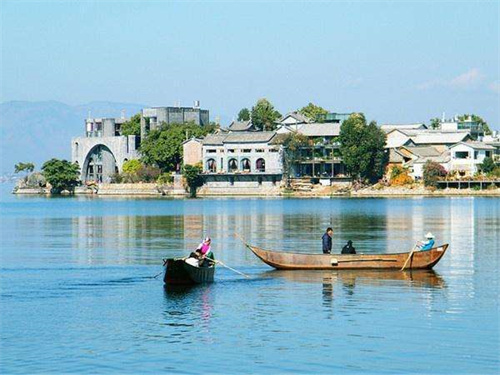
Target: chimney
<point>196,104</point>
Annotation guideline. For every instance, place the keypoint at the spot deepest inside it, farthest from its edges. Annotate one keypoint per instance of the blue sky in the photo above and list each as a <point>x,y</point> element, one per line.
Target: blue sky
<point>395,61</point>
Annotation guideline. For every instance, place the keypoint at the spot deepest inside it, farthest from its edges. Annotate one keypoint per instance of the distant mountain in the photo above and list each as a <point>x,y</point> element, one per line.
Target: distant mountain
<point>37,131</point>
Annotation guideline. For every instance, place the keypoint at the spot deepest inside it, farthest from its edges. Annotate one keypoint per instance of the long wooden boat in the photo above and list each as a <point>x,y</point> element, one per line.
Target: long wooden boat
<point>179,272</point>
<point>300,261</point>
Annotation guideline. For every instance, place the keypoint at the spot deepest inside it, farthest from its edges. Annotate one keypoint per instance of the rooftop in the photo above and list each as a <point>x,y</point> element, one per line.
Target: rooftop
<point>325,129</point>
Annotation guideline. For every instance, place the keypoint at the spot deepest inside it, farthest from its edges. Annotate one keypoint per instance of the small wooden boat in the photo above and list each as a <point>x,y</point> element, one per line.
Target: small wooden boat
<point>178,271</point>
<point>298,261</point>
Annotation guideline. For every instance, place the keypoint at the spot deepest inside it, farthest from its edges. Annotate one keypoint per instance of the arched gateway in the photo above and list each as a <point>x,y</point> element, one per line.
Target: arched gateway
<point>100,164</point>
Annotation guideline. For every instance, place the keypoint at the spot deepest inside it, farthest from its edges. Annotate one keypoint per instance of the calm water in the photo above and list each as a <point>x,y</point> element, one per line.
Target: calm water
<point>77,293</point>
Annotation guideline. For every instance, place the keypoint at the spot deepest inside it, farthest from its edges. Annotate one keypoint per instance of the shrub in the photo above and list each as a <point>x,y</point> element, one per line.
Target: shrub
<point>165,179</point>
<point>148,173</point>
<point>61,175</point>
<point>433,172</point>
<point>487,166</point>
<point>132,166</point>
<point>400,176</point>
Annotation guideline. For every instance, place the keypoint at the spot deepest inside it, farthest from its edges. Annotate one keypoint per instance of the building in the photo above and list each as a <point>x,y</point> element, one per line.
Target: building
<point>439,139</point>
<point>475,128</point>
<point>245,159</point>
<point>103,150</point>
<point>152,118</point>
<point>466,157</point>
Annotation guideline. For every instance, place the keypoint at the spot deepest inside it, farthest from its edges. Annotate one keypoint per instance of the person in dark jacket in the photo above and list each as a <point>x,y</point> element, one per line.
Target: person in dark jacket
<point>348,249</point>
<point>327,241</point>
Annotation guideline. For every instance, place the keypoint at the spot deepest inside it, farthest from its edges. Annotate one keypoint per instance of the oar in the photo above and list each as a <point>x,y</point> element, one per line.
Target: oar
<point>409,256</point>
<point>232,269</point>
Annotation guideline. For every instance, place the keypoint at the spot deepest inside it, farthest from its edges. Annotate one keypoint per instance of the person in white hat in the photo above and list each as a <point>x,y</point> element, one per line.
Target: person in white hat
<point>428,243</point>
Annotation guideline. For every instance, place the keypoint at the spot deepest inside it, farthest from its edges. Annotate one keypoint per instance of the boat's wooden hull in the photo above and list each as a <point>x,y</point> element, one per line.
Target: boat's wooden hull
<point>297,261</point>
<point>178,272</point>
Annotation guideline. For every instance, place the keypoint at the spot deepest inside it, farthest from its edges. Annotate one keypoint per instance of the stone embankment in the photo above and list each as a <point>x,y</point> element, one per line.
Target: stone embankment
<point>419,190</point>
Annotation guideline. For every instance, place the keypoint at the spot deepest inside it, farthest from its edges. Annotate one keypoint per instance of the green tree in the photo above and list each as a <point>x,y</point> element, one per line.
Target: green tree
<point>192,174</point>
<point>133,126</point>
<point>314,112</point>
<point>244,114</point>
<point>264,115</point>
<point>432,173</point>
<point>132,166</point>
<point>163,147</point>
<point>21,167</point>
<point>488,165</point>
<point>477,119</point>
<point>362,148</point>
<point>61,174</point>
<point>291,142</point>
<point>434,123</point>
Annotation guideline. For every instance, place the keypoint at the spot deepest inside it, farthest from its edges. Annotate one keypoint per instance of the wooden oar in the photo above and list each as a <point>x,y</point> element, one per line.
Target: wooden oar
<point>223,265</point>
<point>409,256</point>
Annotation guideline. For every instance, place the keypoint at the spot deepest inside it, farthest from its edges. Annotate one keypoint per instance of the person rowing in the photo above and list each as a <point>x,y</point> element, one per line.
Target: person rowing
<point>427,244</point>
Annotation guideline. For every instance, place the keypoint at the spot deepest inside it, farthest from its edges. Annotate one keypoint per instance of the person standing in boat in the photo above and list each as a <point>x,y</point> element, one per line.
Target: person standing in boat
<point>327,241</point>
<point>428,243</point>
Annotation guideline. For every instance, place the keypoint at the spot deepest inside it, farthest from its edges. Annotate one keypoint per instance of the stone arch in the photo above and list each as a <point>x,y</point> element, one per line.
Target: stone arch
<point>99,165</point>
<point>232,165</point>
<point>211,166</point>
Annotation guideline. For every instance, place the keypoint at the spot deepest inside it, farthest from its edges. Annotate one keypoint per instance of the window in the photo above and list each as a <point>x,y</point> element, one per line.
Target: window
<point>232,166</point>
<point>211,151</point>
<point>260,165</point>
<point>488,154</point>
<point>273,150</point>
<point>211,166</point>
<point>246,150</point>
<point>462,155</point>
<point>230,151</point>
<point>259,150</point>
<point>476,154</point>
<point>245,165</point>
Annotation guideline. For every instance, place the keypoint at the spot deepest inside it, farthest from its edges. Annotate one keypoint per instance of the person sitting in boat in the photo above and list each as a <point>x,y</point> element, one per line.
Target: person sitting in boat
<point>204,251</point>
<point>349,249</point>
<point>327,241</point>
<point>428,243</point>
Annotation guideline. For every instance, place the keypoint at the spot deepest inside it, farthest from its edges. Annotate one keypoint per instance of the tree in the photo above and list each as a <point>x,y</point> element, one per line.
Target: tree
<point>291,143</point>
<point>488,165</point>
<point>435,123</point>
<point>314,112</point>
<point>133,126</point>
<point>478,119</point>
<point>132,166</point>
<point>362,148</point>
<point>192,174</point>
<point>432,172</point>
<point>163,147</point>
<point>61,175</point>
<point>20,167</point>
<point>264,115</point>
<point>244,114</point>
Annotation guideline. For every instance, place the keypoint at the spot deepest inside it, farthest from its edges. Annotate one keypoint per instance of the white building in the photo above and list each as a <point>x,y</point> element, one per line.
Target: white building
<point>466,157</point>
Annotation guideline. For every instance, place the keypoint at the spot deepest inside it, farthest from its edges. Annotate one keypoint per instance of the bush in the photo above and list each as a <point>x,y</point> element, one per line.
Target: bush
<point>433,172</point>
<point>400,176</point>
<point>165,179</point>
<point>132,166</point>
<point>487,166</point>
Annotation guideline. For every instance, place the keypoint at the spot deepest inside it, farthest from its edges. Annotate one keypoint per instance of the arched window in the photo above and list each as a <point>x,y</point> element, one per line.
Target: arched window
<point>232,165</point>
<point>260,165</point>
<point>211,166</point>
<point>76,150</point>
<point>245,165</point>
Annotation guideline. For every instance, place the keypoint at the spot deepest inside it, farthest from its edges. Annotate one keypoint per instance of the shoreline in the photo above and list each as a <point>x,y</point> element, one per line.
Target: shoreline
<point>155,191</point>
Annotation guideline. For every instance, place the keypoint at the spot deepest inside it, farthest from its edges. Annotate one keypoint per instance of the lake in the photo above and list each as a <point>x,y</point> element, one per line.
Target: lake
<point>78,292</point>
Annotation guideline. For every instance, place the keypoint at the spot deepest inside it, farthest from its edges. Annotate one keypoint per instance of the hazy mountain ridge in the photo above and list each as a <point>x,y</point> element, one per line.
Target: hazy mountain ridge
<point>38,131</point>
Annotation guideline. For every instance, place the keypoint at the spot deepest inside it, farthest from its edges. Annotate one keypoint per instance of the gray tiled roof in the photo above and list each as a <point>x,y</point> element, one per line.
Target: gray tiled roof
<point>214,139</point>
<point>299,117</point>
<point>249,137</point>
<point>326,129</point>
<point>478,145</point>
<point>240,125</point>
<point>388,127</point>
<point>423,151</point>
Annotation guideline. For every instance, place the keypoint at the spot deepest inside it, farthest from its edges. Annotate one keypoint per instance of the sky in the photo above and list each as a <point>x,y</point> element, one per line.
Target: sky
<point>397,61</point>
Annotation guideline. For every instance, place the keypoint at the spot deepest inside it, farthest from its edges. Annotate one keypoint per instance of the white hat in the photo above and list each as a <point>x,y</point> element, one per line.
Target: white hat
<point>429,235</point>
